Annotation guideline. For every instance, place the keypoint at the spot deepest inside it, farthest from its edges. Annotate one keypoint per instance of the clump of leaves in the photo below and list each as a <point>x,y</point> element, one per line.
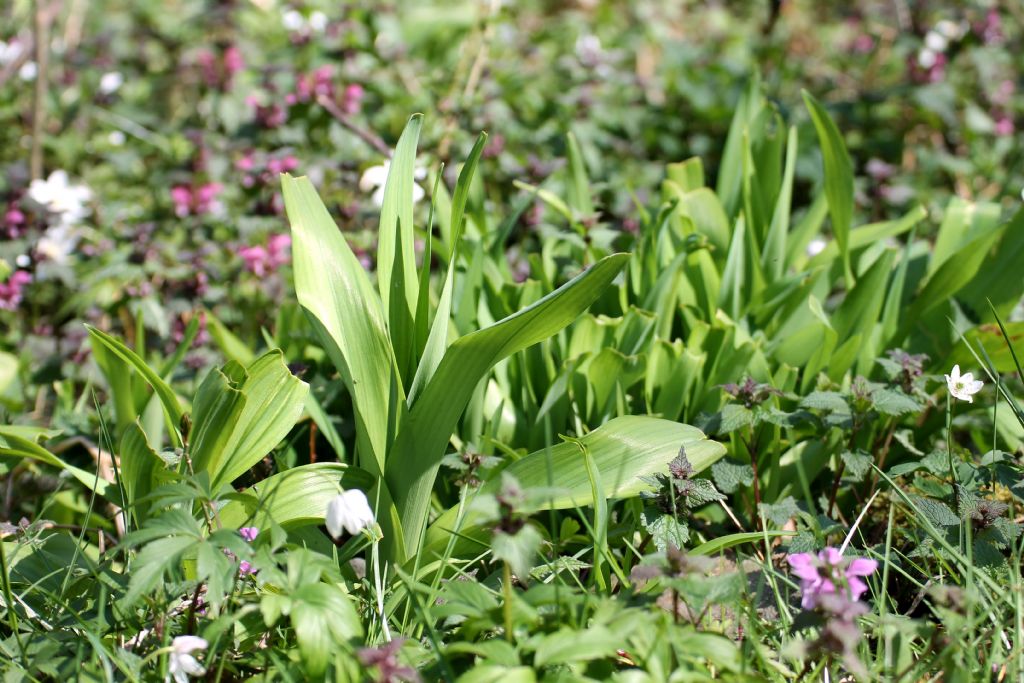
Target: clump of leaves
<point>675,494</point>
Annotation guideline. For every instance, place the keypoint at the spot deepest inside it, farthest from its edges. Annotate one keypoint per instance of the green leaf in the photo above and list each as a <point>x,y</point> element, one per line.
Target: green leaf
<point>863,304</point>
<point>395,230</point>
<point>570,645</point>
<point>716,545</point>
<point>331,285</point>
<point>518,549</point>
<point>773,257</point>
<point>729,476</point>
<point>578,187</point>
<point>838,178</point>
<point>142,470</point>
<point>292,498</point>
<point>424,435</point>
<point>625,451</point>
<point>825,400</point>
<point>936,512</point>
<point>322,616</point>
<point>667,532</point>
<point>273,401</point>
<point>13,444</point>
<point>172,408</point>
<point>437,341</point>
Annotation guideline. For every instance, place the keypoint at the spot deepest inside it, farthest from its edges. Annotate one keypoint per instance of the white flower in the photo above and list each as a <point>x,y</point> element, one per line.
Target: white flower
<point>58,196</point>
<point>116,138</point>
<point>350,511</point>
<point>57,243</point>
<point>963,387</point>
<point>22,261</point>
<point>936,42</point>
<point>375,177</point>
<point>816,246</point>
<point>293,20</point>
<point>950,29</point>
<point>28,71</point>
<point>318,21</point>
<point>110,82</point>
<point>182,664</point>
<point>926,58</point>
<point>9,51</point>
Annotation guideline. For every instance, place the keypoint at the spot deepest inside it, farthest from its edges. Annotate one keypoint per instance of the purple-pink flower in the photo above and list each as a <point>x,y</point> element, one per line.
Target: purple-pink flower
<point>828,573</point>
<point>262,261</point>
<point>195,201</point>
<point>249,533</point>
<point>11,291</point>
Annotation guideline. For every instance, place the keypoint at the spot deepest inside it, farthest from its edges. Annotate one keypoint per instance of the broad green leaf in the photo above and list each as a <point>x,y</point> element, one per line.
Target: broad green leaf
<point>142,470</point>
<point>862,305</point>
<point>569,645</point>
<point>838,178</point>
<point>216,409</point>
<point>395,231</point>
<point>172,408</point>
<point>424,435</point>
<point>295,497</point>
<point>331,285</point>
<point>437,341</point>
<point>964,222</point>
<point>12,444</point>
<point>624,450</point>
<point>274,399</point>
<point>322,616</point>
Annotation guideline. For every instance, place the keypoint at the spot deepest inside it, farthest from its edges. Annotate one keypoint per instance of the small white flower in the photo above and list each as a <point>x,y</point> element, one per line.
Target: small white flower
<point>110,82</point>
<point>9,51</point>
<point>28,71</point>
<point>350,511</point>
<point>816,247</point>
<point>181,663</point>
<point>936,42</point>
<point>963,387</point>
<point>22,261</point>
<point>375,177</point>
<point>58,196</point>
<point>950,29</point>
<point>116,138</point>
<point>318,21</point>
<point>58,243</point>
<point>293,20</point>
<point>926,58</point>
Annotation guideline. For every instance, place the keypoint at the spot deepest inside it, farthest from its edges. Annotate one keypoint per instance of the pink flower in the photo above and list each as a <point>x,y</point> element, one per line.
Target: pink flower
<point>205,197</point>
<point>182,198</point>
<point>277,249</point>
<point>257,261</point>
<point>11,291</point>
<point>828,573</point>
<point>352,98</point>
<point>233,61</point>
<point>1004,126</point>
<point>249,533</point>
<point>14,221</point>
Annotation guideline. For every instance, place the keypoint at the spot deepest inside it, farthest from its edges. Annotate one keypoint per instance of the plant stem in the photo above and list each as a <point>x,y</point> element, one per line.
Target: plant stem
<point>42,17</point>
<point>9,600</point>
<point>507,607</point>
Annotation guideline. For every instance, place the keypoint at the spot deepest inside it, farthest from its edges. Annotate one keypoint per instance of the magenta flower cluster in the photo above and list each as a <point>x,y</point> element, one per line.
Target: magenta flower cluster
<point>11,291</point>
<point>195,201</point>
<point>248,533</point>
<point>829,573</point>
<point>261,261</point>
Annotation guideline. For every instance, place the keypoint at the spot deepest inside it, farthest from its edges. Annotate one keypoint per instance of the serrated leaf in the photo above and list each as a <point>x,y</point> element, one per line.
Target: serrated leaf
<point>857,464</point>
<point>936,512</point>
<point>666,531</point>
<point>781,512</point>
<point>825,400</point>
<point>894,402</point>
<point>729,475</point>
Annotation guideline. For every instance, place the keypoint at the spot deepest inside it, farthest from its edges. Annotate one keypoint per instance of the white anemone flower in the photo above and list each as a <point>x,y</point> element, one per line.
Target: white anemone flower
<point>58,196</point>
<point>110,82</point>
<point>318,21</point>
<point>350,511</point>
<point>293,20</point>
<point>936,42</point>
<point>963,387</point>
<point>58,243</point>
<point>181,663</point>
<point>816,246</point>
<point>927,58</point>
<point>375,177</point>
